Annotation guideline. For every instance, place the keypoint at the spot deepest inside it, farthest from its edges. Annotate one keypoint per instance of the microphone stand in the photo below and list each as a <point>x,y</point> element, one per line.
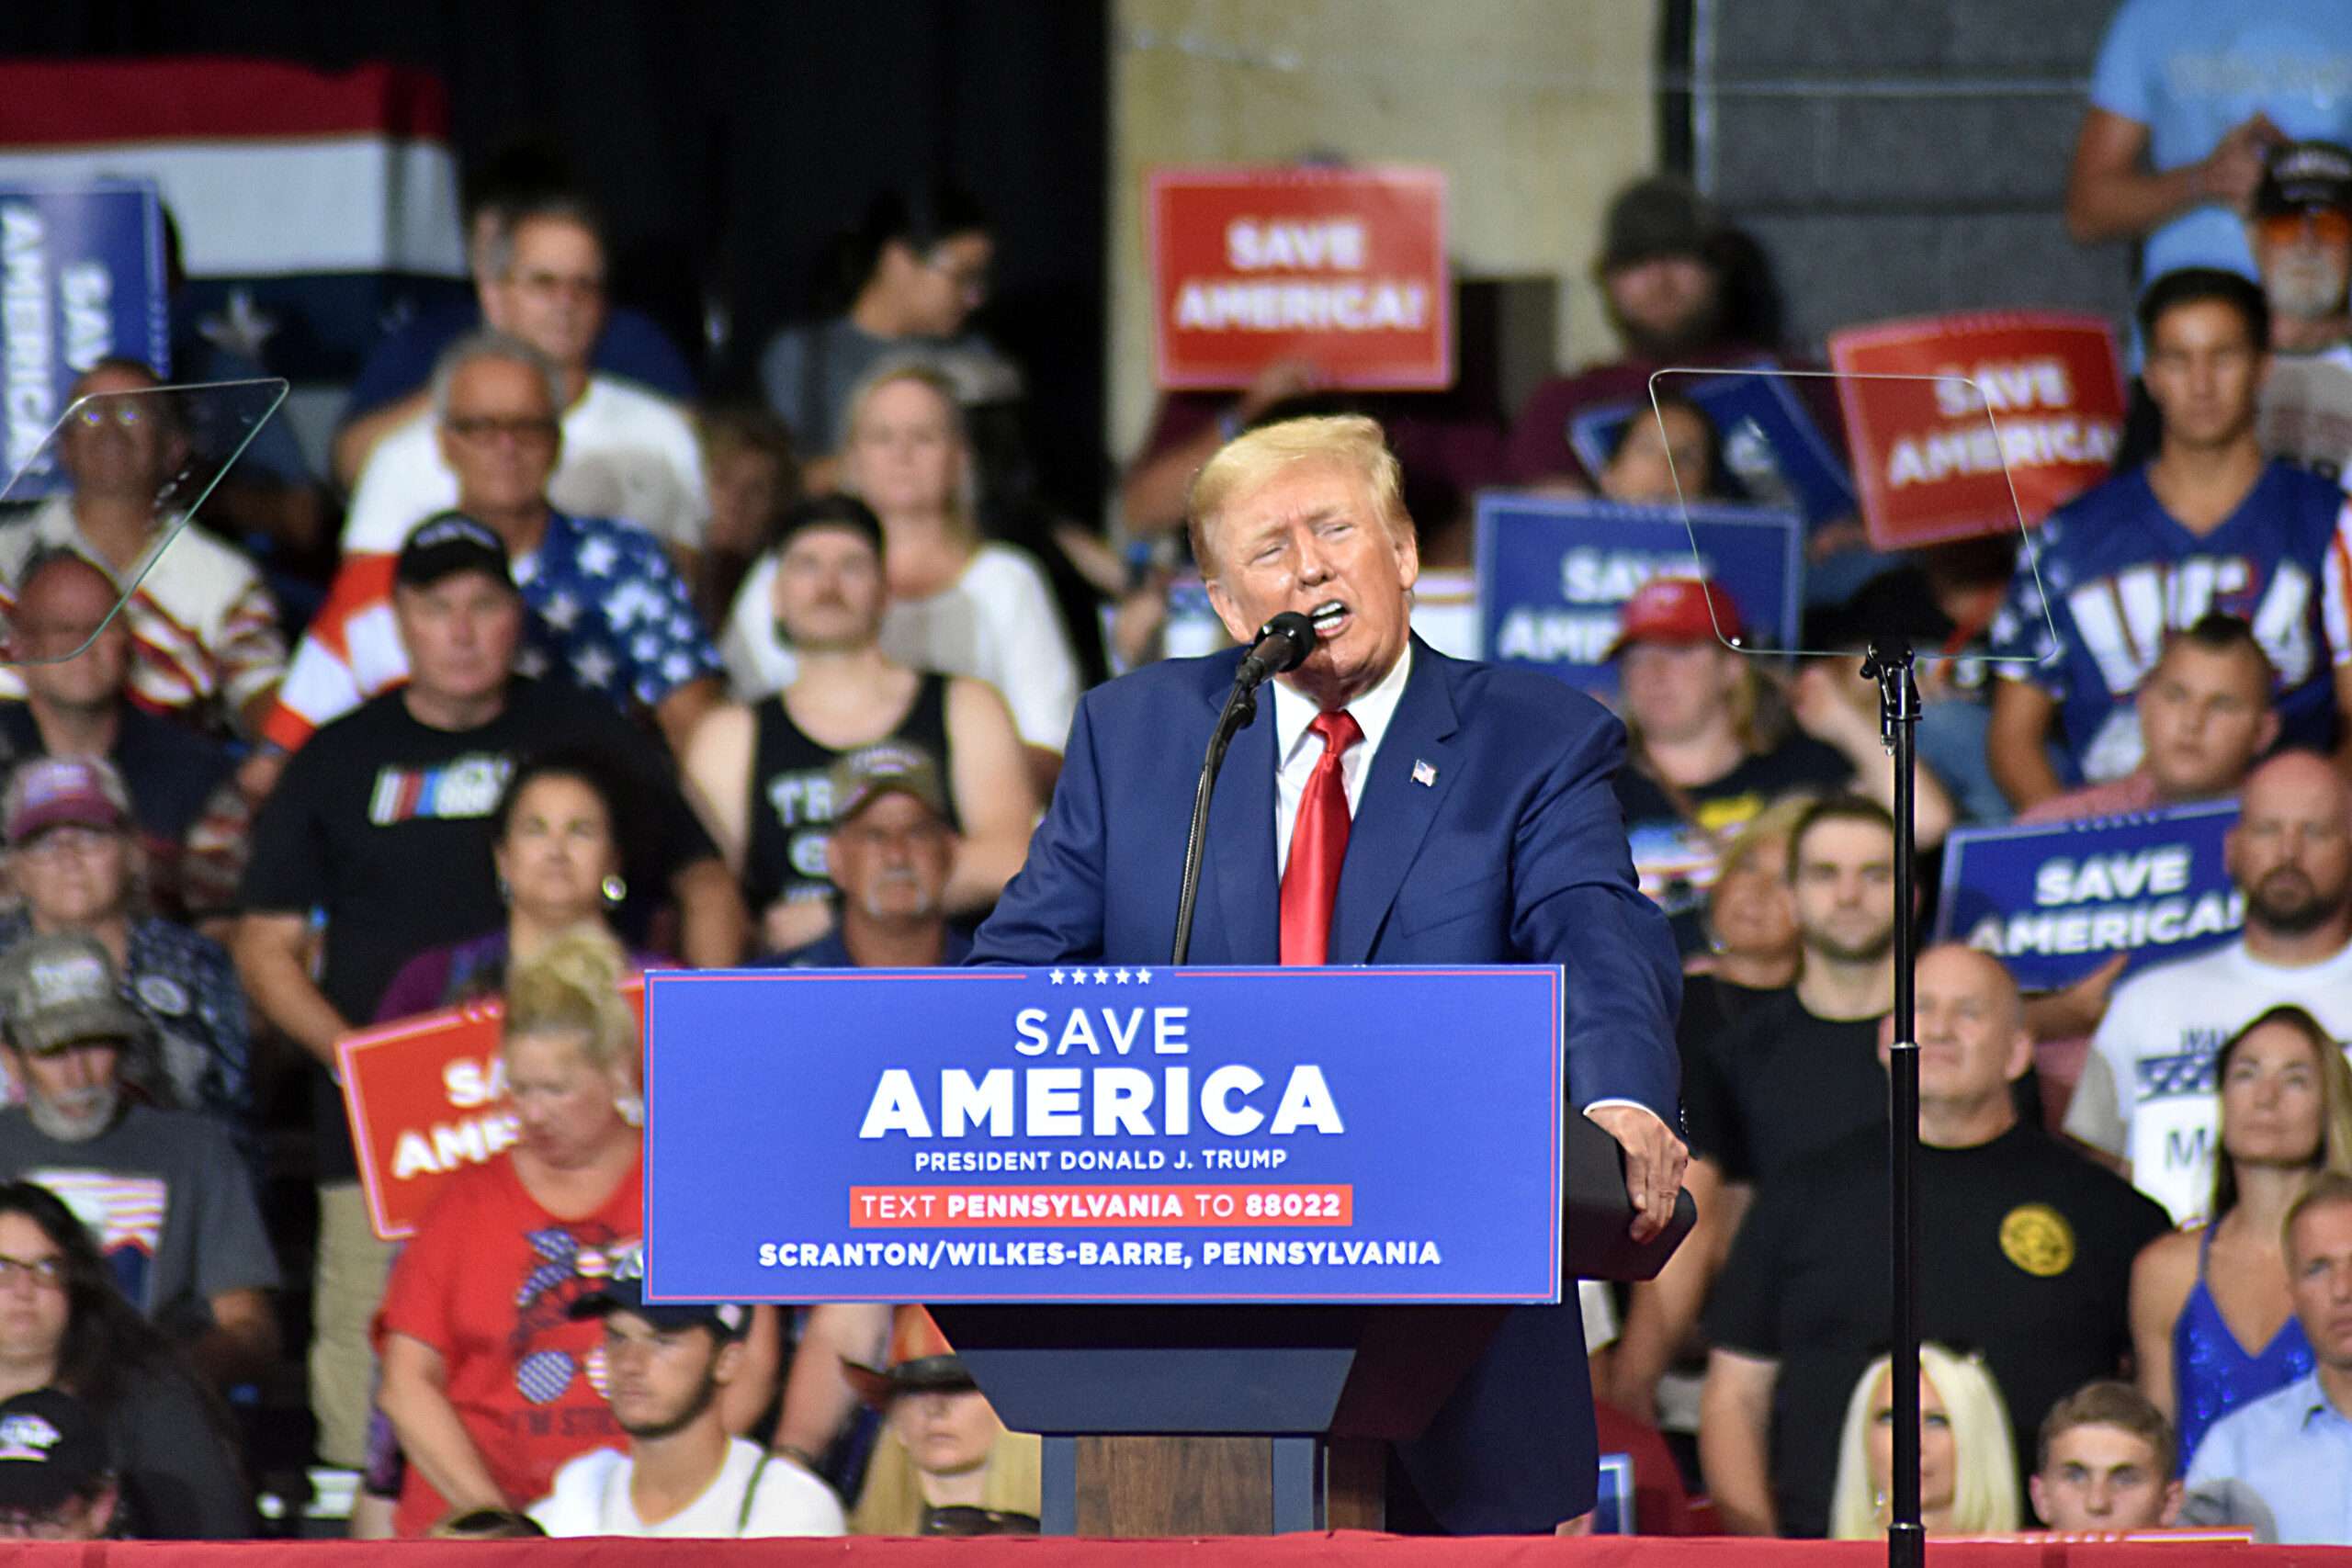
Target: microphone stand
<point>1240,708</point>
<point>1890,662</point>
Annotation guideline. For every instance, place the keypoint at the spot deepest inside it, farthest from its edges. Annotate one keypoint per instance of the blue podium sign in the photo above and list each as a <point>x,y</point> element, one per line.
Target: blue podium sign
<point>2056,900</point>
<point>1105,1134</point>
<point>1554,573</point>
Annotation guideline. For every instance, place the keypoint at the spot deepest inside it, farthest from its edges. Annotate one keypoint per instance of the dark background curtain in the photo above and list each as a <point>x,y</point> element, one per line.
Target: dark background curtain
<point>727,142</point>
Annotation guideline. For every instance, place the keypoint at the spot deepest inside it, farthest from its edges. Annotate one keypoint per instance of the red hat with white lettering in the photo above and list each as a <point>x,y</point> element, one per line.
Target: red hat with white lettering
<point>1677,609</point>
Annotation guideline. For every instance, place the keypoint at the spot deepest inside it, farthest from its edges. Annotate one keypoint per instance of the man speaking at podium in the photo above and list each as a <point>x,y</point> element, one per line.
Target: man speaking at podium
<point>1389,806</point>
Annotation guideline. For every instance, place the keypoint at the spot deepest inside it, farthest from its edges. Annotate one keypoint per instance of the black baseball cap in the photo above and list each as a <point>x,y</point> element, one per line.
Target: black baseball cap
<point>447,544</point>
<point>50,1450</point>
<point>2299,176</point>
<point>921,1374</point>
<point>835,511</point>
<point>1663,215</point>
<point>624,1291</point>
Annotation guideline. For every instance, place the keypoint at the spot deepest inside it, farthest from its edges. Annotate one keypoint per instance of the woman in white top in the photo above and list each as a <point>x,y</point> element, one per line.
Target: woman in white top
<point>959,605</point>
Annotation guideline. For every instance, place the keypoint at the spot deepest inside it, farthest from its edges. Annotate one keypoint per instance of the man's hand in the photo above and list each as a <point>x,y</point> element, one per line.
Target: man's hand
<point>2229,172</point>
<point>1654,1162</point>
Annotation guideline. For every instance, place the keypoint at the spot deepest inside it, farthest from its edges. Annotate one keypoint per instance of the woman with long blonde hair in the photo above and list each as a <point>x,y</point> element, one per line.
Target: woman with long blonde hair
<point>1968,1464</point>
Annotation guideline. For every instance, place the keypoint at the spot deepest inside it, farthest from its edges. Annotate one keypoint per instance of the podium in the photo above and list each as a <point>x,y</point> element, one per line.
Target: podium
<point>1169,1248</point>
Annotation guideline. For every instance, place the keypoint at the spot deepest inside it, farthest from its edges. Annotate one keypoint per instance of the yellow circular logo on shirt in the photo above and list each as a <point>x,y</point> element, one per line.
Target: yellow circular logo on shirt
<point>2037,1238</point>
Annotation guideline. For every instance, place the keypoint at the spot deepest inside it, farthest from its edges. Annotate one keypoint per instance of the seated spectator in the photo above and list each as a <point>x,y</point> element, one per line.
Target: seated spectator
<point>2207,515</point>
<point>67,1327</point>
<point>682,1474</point>
<point>2105,1464</point>
<point>487,1376</point>
<point>205,643</point>
<point>608,611</point>
<point>391,388</point>
<point>172,1204</point>
<point>949,1468</point>
<point>190,814</point>
<point>555,844</point>
<point>1667,456</point>
<point>2031,1263</point>
<point>2204,715</point>
<point>1666,263</point>
<point>404,784</point>
<point>2200,1297</point>
<point>760,769</point>
<point>2146,1096</point>
<point>626,452</point>
<point>73,856</point>
<point>958,604</point>
<point>888,854</point>
<point>753,476</point>
<point>1968,1468</point>
<point>2293,1448</point>
<point>918,267</point>
<point>2301,235</point>
<point>2185,98</point>
<point>57,1480</point>
<point>1711,743</point>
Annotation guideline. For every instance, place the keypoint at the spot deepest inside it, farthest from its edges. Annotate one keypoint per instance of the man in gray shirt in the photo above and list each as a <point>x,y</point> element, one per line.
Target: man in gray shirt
<point>162,1192</point>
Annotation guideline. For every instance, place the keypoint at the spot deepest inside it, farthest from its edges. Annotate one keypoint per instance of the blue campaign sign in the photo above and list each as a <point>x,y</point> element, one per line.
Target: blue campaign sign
<point>2058,899</point>
<point>80,277</point>
<point>1771,441</point>
<point>1554,574</point>
<point>1104,1135</point>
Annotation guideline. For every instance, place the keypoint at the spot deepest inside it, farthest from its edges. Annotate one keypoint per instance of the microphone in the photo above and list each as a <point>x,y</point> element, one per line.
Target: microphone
<point>1282,644</point>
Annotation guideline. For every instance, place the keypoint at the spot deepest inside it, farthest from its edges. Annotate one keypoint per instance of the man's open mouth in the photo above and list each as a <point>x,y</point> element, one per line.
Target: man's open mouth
<point>1329,617</point>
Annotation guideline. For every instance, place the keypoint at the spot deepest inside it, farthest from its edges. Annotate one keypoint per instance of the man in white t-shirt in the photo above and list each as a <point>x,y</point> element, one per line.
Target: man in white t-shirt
<point>683,1477</point>
<point>627,451</point>
<point>2147,1092</point>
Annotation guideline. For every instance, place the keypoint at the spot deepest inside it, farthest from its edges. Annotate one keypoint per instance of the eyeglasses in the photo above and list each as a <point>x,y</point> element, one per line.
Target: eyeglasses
<point>482,429</point>
<point>71,840</point>
<point>49,1272</point>
<point>2324,224</point>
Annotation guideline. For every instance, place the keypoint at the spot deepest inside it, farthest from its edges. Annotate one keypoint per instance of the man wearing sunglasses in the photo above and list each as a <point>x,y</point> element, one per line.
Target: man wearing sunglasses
<point>2301,234</point>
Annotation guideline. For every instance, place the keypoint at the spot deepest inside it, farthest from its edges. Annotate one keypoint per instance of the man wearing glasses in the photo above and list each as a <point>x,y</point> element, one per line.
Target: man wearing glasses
<point>626,452</point>
<point>2301,234</point>
<point>608,610</point>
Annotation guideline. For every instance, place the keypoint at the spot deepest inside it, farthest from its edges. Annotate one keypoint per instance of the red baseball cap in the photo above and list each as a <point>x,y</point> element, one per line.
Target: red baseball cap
<point>1676,609</point>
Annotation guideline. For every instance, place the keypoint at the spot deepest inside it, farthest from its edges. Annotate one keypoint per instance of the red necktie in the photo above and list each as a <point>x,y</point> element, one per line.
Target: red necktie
<point>1318,842</point>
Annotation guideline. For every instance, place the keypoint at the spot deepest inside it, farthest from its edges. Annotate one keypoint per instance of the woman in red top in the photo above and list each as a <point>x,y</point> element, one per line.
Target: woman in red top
<point>488,1382</point>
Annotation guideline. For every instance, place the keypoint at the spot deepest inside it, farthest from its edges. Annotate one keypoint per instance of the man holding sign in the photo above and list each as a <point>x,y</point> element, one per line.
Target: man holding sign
<point>2206,524</point>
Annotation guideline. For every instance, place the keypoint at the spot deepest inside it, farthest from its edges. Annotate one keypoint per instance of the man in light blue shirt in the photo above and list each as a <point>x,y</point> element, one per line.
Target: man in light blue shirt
<point>2184,99</point>
<point>2294,1447</point>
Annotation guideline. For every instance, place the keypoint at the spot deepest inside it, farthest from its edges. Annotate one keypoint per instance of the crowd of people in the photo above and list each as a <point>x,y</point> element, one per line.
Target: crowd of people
<point>605,677</point>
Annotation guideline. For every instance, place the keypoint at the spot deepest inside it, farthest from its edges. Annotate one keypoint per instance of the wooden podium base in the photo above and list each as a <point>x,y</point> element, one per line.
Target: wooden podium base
<point>1139,1485</point>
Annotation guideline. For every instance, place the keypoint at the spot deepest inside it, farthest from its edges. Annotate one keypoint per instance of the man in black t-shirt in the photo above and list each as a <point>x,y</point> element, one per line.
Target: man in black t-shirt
<point>2024,1254</point>
<point>380,826</point>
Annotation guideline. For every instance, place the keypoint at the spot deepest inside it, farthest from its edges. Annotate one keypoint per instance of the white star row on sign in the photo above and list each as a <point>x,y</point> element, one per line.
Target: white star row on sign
<point>1100,976</point>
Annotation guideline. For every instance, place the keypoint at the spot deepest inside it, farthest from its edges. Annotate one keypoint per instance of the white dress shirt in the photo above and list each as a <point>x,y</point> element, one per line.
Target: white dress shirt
<point>1297,749</point>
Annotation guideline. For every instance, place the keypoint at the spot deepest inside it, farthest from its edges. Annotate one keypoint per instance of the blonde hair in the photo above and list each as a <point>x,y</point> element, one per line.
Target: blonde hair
<point>962,505</point>
<point>1985,1479</point>
<point>1776,824</point>
<point>572,986</point>
<point>1249,461</point>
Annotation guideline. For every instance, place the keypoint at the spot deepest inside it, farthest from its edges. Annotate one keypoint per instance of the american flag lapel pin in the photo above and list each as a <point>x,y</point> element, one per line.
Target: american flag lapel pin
<point>1424,773</point>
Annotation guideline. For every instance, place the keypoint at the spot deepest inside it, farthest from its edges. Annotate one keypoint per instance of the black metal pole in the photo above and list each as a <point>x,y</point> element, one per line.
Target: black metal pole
<point>1241,707</point>
<point>1890,662</point>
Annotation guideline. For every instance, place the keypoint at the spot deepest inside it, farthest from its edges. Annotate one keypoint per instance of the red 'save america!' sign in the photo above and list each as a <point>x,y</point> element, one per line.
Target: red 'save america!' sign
<point>1945,414</point>
<point>1344,268</point>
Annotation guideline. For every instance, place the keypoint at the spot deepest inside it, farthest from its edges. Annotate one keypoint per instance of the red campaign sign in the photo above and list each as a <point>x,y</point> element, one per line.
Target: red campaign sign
<point>1928,461</point>
<point>426,1097</point>
<point>1344,268</point>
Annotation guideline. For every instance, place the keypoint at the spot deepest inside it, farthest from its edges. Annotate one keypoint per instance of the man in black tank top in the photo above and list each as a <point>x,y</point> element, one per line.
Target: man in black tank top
<point>760,770</point>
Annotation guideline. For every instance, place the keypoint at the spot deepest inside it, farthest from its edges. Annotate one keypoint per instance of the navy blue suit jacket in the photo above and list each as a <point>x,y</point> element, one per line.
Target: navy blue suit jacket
<point>1514,851</point>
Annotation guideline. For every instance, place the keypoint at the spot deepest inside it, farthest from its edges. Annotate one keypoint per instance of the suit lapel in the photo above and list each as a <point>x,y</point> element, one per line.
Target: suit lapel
<point>1243,886</point>
<point>1394,814</point>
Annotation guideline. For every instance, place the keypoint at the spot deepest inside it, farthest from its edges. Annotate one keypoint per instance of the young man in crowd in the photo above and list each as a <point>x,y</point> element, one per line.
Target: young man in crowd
<point>2105,1462</point>
<point>762,771</point>
<point>2294,1448</point>
<point>626,452</point>
<point>2302,234</point>
<point>163,1191</point>
<point>2146,1098</point>
<point>2032,1264</point>
<point>2206,524</point>
<point>383,822</point>
<point>608,611</point>
<point>683,1475</point>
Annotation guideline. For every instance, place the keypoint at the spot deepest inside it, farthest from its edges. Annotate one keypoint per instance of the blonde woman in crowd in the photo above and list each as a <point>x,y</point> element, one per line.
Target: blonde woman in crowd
<point>1968,1467</point>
